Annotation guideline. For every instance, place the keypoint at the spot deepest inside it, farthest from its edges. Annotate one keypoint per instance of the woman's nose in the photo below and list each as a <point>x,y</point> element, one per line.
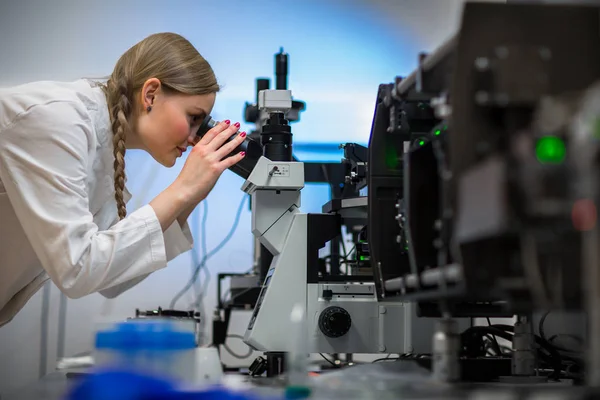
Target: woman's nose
<point>193,139</point>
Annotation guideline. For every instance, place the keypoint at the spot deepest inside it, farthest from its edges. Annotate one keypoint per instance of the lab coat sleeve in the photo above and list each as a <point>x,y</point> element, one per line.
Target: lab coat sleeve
<point>43,165</point>
<point>178,239</point>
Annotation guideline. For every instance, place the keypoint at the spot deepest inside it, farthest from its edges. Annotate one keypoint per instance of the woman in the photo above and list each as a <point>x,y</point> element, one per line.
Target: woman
<point>62,172</point>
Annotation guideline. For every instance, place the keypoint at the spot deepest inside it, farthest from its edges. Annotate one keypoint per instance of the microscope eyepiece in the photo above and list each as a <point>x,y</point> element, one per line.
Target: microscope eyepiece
<point>207,124</point>
<point>252,148</point>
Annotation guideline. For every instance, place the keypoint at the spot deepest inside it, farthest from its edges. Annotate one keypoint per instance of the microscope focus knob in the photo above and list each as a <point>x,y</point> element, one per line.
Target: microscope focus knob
<point>334,322</point>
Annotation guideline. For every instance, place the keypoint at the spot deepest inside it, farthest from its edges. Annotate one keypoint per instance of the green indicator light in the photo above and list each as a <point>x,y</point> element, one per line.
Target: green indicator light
<point>597,128</point>
<point>550,150</point>
<point>391,157</point>
<point>421,142</point>
<point>437,132</point>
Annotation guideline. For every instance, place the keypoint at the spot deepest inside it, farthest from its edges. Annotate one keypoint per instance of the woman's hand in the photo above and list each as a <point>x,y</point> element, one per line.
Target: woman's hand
<point>207,161</point>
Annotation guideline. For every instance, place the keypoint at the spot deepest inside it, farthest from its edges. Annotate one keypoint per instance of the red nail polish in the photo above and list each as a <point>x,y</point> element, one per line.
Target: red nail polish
<point>237,124</point>
<point>227,121</point>
<point>243,134</point>
<point>243,153</point>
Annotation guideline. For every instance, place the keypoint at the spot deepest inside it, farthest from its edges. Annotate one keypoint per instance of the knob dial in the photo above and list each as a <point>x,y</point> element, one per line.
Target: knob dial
<point>334,322</point>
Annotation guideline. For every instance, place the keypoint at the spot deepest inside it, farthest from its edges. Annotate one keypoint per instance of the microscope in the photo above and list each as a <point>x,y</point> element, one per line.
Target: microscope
<point>344,314</point>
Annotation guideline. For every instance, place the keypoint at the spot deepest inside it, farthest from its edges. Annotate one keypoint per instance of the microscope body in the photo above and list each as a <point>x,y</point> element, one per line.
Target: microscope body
<point>342,316</point>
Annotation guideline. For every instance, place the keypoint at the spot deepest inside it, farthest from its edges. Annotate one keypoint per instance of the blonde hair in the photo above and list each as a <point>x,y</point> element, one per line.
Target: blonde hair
<point>166,56</point>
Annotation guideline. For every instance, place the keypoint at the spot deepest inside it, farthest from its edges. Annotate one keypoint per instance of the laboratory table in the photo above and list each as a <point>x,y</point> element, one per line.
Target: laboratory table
<point>371,381</point>
<point>51,387</point>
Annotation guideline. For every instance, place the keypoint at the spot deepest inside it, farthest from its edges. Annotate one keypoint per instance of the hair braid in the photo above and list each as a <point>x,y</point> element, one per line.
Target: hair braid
<point>120,113</point>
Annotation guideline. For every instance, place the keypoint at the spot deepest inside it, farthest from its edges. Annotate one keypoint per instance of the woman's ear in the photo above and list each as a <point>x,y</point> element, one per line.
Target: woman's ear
<point>149,92</point>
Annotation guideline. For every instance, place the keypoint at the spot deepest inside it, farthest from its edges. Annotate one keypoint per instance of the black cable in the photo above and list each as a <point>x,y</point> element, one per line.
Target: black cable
<point>404,356</point>
<point>554,358</point>
<point>388,358</point>
<point>574,337</point>
<point>546,352</point>
<point>350,252</point>
<point>343,246</point>
<point>239,294</point>
<point>541,326</point>
<point>564,349</point>
<point>498,351</point>
<point>549,341</point>
<point>329,361</point>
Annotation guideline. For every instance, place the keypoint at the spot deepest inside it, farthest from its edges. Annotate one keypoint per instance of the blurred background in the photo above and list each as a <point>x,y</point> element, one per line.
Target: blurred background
<point>339,52</point>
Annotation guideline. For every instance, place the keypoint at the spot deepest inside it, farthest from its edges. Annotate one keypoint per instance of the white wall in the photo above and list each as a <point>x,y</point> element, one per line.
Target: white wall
<point>340,50</point>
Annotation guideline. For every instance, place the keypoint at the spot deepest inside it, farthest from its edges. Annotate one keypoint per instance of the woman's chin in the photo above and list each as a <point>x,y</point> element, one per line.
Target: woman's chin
<point>165,160</point>
<point>169,162</point>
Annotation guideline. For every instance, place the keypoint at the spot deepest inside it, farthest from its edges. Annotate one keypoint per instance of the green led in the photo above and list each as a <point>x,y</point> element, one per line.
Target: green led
<point>421,142</point>
<point>597,128</point>
<point>550,150</point>
<point>391,156</point>
<point>437,132</point>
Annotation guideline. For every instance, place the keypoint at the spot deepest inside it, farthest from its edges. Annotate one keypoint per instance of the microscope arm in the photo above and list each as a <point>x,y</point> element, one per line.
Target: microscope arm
<point>275,189</point>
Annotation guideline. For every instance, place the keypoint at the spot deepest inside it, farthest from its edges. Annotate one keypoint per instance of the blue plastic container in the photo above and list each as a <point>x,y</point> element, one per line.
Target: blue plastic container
<point>150,347</point>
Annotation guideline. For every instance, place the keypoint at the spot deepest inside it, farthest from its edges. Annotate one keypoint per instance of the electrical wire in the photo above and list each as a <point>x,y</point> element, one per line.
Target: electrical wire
<point>576,338</point>
<point>546,351</point>
<point>195,258</point>
<point>205,283</point>
<point>329,361</point>
<point>344,246</point>
<point>233,353</point>
<point>387,358</point>
<point>497,349</point>
<point>562,365</point>
<point>223,300</point>
<point>214,251</point>
<point>404,356</point>
<point>346,259</point>
<point>550,341</point>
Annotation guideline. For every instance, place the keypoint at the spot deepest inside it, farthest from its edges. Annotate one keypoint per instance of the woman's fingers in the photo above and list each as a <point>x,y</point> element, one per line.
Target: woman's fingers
<point>231,161</point>
<point>213,132</point>
<point>222,137</point>
<point>230,146</point>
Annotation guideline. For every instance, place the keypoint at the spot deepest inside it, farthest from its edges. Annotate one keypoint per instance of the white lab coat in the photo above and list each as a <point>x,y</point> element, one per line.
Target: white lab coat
<point>58,216</point>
